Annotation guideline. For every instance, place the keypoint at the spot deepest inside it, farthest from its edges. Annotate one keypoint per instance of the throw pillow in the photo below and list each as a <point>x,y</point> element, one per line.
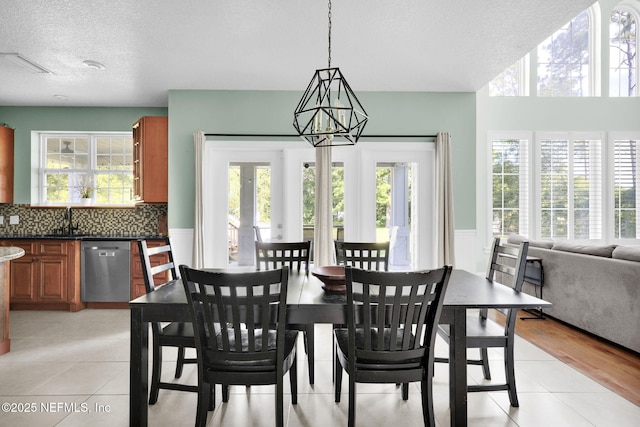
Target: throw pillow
<point>516,239</point>
<point>603,251</point>
<point>631,253</point>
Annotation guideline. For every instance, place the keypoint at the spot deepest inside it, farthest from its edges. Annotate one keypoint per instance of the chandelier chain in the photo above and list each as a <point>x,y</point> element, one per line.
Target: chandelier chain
<point>329,16</point>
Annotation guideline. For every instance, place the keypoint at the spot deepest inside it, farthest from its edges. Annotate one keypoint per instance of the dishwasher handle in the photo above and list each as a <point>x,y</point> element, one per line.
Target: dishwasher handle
<point>103,248</point>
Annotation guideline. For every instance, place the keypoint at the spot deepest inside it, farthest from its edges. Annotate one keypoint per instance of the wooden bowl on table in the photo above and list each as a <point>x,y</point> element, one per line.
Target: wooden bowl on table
<point>332,276</point>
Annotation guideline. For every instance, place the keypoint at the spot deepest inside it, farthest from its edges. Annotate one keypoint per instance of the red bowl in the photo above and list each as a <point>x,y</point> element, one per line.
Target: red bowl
<point>332,276</point>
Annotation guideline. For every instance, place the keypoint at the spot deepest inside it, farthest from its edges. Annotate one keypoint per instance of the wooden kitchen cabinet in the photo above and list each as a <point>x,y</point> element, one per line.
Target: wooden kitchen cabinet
<point>137,278</point>
<point>6,165</point>
<point>150,159</point>
<point>47,276</point>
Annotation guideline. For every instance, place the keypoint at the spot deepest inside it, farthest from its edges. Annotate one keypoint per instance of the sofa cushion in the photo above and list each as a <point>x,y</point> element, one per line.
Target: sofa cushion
<point>516,239</point>
<point>595,250</point>
<point>631,253</point>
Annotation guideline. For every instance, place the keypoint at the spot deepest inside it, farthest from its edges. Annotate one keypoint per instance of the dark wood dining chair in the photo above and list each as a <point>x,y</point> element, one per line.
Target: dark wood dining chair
<point>295,255</point>
<point>391,326</point>
<point>241,334</point>
<point>507,265</point>
<point>157,268</point>
<point>365,255</point>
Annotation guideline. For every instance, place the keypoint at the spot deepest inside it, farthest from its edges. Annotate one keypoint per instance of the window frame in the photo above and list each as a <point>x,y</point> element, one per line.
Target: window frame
<point>91,171</point>
<point>523,65</point>
<point>636,14</point>
<point>571,137</point>
<point>593,51</point>
<point>525,177</point>
<point>610,174</point>
<point>607,182</point>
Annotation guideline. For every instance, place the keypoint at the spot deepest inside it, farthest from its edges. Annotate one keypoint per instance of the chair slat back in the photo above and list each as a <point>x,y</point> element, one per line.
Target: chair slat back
<point>394,313</point>
<point>507,265</point>
<point>240,316</point>
<point>509,260</point>
<point>273,255</point>
<point>151,267</point>
<point>364,255</point>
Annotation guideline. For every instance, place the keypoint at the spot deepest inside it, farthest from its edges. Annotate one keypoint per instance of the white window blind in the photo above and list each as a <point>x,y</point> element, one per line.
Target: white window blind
<point>570,192</point>
<point>625,184</point>
<point>510,187</point>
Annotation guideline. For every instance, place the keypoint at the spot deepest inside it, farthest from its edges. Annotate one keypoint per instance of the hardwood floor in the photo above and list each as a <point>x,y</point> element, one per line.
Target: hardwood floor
<point>609,365</point>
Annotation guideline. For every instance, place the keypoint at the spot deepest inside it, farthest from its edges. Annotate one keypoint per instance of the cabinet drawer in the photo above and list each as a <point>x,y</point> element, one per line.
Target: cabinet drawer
<point>53,247</point>
<point>29,247</point>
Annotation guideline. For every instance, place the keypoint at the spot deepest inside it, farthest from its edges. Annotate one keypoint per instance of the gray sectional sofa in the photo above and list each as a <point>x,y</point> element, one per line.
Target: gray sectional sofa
<point>594,288</point>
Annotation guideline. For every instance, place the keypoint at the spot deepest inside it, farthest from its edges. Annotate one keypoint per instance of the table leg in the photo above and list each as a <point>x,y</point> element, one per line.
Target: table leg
<point>138,369</point>
<point>458,368</point>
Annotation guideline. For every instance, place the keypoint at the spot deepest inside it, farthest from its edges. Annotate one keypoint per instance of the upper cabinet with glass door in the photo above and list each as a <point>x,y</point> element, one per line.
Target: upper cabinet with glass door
<point>150,160</point>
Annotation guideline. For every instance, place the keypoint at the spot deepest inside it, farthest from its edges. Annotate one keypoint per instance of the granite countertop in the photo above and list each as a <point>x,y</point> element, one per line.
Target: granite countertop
<point>10,252</point>
<point>88,236</point>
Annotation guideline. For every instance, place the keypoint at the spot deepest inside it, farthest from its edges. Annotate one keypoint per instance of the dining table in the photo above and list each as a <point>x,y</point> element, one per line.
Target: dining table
<point>308,303</point>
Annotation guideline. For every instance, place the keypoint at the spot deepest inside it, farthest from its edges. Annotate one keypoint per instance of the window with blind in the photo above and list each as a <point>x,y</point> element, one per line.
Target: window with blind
<point>625,183</point>
<point>509,185</point>
<point>570,187</point>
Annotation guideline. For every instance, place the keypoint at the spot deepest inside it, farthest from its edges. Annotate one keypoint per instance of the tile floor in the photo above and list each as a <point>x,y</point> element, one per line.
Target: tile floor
<point>71,369</point>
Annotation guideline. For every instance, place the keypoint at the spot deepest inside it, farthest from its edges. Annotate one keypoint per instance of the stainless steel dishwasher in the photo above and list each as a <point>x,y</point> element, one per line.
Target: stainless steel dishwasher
<point>106,271</point>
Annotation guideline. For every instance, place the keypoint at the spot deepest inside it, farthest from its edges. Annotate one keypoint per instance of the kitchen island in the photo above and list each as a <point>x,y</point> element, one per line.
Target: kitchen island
<point>6,255</point>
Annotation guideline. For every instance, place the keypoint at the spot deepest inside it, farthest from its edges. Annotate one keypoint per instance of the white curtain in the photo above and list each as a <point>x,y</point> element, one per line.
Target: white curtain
<point>323,229</point>
<point>198,224</point>
<point>444,205</point>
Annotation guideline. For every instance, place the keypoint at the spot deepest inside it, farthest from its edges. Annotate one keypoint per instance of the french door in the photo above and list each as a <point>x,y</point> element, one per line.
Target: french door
<point>262,184</point>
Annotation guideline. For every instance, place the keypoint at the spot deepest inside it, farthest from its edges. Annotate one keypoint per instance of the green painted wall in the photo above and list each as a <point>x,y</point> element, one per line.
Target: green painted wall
<point>272,112</point>
<point>255,112</point>
<point>83,119</point>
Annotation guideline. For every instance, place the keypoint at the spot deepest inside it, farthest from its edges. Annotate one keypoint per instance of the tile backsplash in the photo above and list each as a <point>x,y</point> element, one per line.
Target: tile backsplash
<point>143,219</point>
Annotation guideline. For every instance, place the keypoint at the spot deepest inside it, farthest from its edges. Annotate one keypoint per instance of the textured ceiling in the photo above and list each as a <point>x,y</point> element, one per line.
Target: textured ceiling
<point>150,47</point>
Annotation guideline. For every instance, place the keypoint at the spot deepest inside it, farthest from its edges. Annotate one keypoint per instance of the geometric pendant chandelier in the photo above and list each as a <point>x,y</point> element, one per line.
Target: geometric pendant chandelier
<point>329,113</point>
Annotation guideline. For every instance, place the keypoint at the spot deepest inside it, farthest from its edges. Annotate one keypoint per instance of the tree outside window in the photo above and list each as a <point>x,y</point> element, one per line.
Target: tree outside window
<point>625,183</point>
<point>570,188</point>
<point>509,191</point>
<point>623,72</point>
<point>563,60</point>
<point>511,82</point>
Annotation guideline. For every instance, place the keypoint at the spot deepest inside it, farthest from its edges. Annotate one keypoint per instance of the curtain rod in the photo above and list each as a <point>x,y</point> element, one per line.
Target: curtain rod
<point>271,135</point>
